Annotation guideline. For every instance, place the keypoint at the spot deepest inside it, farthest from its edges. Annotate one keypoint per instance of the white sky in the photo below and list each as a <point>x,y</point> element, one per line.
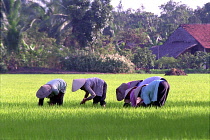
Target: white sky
<point>152,5</point>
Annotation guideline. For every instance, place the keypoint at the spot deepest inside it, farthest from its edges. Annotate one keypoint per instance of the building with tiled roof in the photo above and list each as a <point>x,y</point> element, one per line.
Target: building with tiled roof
<point>186,38</point>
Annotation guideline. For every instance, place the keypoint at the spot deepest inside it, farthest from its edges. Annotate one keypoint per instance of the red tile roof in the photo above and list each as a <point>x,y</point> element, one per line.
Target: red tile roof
<point>201,32</point>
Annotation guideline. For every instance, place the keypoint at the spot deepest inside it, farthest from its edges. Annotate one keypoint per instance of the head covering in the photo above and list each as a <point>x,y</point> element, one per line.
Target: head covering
<point>129,90</point>
<point>134,83</point>
<point>77,84</point>
<point>44,91</point>
<point>120,91</point>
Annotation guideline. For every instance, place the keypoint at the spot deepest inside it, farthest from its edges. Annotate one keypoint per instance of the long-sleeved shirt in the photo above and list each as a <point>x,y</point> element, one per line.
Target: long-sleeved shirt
<point>58,85</point>
<point>94,86</point>
<point>149,80</point>
<point>149,93</point>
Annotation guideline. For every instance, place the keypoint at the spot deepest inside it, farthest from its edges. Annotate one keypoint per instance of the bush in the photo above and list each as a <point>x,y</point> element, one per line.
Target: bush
<point>97,63</point>
<point>143,58</point>
<point>158,71</point>
<point>200,60</point>
<point>197,70</point>
<point>3,68</point>
<point>117,64</point>
<point>166,63</point>
<point>141,71</point>
<point>163,71</point>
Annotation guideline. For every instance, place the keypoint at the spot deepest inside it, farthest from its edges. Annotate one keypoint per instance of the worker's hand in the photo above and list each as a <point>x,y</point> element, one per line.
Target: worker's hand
<point>83,101</point>
<point>139,101</point>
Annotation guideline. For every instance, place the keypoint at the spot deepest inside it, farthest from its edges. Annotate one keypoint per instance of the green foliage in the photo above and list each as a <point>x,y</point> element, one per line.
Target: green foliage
<point>173,14</point>
<point>143,58</point>
<point>196,61</point>
<point>34,33</point>
<point>146,22</point>
<point>141,71</point>
<point>3,68</point>
<point>11,25</point>
<point>166,63</point>
<point>117,64</point>
<point>98,63</point>
<point>197,70</point>
<point>42,56</point>
<point>202,14</point>
<point>122,50</point>
<point>187,71</point>
<point>202,59</point>
<point>158,71</point>
<point>81,20</point>
<point>36,55</point>
<point>134,37</point>
<point>3,52</point>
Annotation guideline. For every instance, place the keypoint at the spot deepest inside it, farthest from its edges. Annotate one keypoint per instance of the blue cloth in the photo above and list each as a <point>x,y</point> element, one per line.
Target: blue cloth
<point>149,93</point>
<point>57,86</point>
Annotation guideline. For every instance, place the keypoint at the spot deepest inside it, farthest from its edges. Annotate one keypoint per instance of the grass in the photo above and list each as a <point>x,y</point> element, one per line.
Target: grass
<point>184,116</point>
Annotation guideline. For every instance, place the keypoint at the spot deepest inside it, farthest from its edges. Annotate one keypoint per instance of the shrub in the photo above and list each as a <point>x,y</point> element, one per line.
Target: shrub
<point>98,63</point>
<point>200,60</point>
<point>143,58</point>
<point>188,71</point>
<point>117,64</point>
<point>158,71</point>
<point>141,71</point>
<point>197,70</point>
<point>3,68</point>
<point>166,63</point>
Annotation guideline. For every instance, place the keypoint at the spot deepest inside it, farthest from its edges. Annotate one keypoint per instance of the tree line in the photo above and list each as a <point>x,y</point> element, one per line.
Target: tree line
<point>60,33</point>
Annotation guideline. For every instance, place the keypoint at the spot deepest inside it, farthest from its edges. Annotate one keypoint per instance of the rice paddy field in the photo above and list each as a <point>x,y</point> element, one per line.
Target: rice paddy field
<point>184,116</point>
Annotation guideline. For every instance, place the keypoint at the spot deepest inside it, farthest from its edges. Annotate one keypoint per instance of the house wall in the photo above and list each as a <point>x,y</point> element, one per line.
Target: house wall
<point>207,50</point>
<point>194,49</point>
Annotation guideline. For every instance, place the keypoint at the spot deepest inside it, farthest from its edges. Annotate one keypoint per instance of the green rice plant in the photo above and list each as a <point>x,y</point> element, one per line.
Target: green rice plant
<point>184,116</point>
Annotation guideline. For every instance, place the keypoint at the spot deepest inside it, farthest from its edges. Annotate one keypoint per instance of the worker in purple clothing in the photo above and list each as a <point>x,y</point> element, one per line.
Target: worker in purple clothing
<point>120,91</point>
<point>152,94</point>
<point>96,87</point>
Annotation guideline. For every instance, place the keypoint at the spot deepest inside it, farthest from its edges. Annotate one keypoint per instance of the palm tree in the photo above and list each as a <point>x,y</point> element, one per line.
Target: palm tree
<point>10,19</point>
<point>59,20</point>
<point>17,17</point>
<point>32,12</point>
<point>81,20</point>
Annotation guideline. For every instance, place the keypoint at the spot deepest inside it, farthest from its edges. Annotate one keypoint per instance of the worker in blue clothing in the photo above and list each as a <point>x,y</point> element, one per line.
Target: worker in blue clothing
<point>54,90</point>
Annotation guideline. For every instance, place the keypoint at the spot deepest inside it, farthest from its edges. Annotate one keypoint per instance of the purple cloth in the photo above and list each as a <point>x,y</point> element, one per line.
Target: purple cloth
<point>95,87</point>
<point>132,98</point>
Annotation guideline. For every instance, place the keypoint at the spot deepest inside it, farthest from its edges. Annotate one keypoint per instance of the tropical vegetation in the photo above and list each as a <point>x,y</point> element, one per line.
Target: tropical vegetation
<point>44,33</point>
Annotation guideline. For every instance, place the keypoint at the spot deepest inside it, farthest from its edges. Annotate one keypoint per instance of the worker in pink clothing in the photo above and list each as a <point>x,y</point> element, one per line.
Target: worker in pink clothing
<point>153,94</point>
<point>120,91</point>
